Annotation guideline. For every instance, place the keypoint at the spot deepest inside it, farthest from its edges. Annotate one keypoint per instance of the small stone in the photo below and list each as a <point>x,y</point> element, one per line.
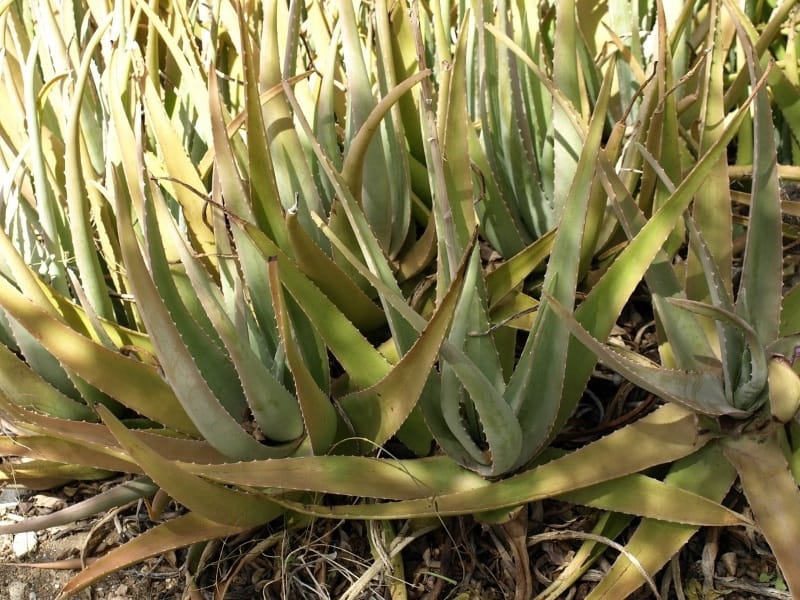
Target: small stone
<point>16,590</point>
<point>24,544</point>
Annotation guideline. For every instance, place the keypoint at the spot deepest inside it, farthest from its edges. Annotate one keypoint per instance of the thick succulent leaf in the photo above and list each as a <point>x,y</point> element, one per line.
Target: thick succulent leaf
<point>378,412</point>
<point>535,390</point>
<point>289,160</point>
<point>97,437</point>
<point>513,272</point>
<point>172,535</point>
<point>348,475</point>
<point>455,215</point>
<point>598,312</point>
<point>759,298</point>
<point>180,168</point>
<point>48,448</point>
<point>272,406</point>
<point>749,393</point>
<point>773,496</point>
<point>331,280</point>
<point>318,413</point>
<point>701,391</point>
<point>265,201</point>
<point>654,542</point>
<point>666,435</point>
<point>712,208</point>
<point>667,502</point>
<point>687,341</point>
<point>185,379</point>
<point>134,384</point>
<point>198,334</point>
<point>363,363</point>
<point>784,389</point>
<point>86,258</point>
<point>24,387</point>
<point>567,139</point>
<point>403,334</point>
<point>220,504</point>
<point>488,400</point>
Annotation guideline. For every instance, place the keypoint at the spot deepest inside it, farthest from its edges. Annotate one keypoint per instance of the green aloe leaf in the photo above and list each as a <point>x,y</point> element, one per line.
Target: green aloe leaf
<point>363,363</point>
<point>655,542</point>
<point>535,390</point>
<point>599,310</point>
<point>133,383</point>
<point>701,391</point>
<point>186,381</point>
<point>86,258</point>
<point>272,406</point>
<point>318,413</point>
<point>666,435</point>
<point>379,411</point>
<point>209,500</point>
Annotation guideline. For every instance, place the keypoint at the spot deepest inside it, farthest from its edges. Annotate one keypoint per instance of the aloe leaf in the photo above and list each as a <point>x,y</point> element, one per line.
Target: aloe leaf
<point>773,496</point>
<point>479,371</point>
<point>686,339</point>
<point>567,140</point>
<point>330,278</point>
<point>712,208</point>
<point>513,272</point>
<point>731,340</point>
<point>665,502</point>
<point>378,412</point>
<point>97,437</point>
<point>318,414</point>
<point>700,391</point>
<point>749,392</point>
<point>27,389</point>
<point>86,258</point>
<point>455,216</point>
<point>654,542</point>
<point>498,222</point>
<point>402,334</point>
<point>223,505</point>
<point>187,382</point>
<point>50,214</point>
<point>759,298</point>
<point>535,390</point>
<point>128,381</point>
<point>364,364</point>
<point>289,161</point>
<point>47,448</point>
<point>599,310</point>
<point>199,336</point>
<point>486,396</point>
<point>351,475</point>
<point>358,152</point>
<point>180,168</point>
<point>180,532</point>
<point>265,200</point>
<point>273,407</point>
<point>666,435</point>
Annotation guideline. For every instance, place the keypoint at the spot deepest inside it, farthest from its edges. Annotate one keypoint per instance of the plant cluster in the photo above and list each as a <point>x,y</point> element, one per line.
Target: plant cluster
<point>268,257</point>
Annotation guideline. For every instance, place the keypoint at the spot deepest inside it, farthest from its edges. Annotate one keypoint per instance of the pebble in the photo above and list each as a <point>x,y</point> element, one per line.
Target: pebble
<point>17,591</point>
<point>24,544</point>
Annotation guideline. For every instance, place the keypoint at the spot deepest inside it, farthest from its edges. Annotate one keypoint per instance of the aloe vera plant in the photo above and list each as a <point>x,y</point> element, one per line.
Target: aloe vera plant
<point>225,289</point>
